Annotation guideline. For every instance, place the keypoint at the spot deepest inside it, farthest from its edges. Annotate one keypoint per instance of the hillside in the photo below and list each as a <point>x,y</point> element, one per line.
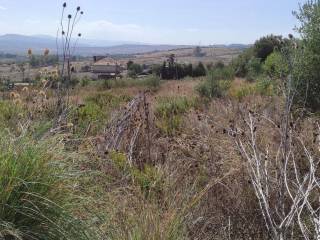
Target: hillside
<point>186,55</point>
<point>19,44</point>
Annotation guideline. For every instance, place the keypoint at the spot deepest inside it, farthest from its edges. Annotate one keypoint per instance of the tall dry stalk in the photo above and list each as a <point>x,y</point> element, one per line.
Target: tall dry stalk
<point>67,45</point>
<point>281,167</point>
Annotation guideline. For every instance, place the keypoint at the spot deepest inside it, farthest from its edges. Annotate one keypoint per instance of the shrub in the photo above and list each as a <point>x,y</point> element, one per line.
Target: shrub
<point>199,70</point>
<point>73,82</point>
<point>91,117</point>
<point>265,86</point>
<point>169,111</point>
<point>276,66</point>
<point>210,89</point>
<point>134,69</point>
<point>85,81</point>
<point>151,81</point>
<point>219,65</point>
<point>254,67</point>
<point>217,83</point>
<point>10,115</point>
<point>197,52</point>
<point>306,72</point>
<point>239,64</point>
<point>239,92</point>
<point>266,45</point>
<point>35,197</point>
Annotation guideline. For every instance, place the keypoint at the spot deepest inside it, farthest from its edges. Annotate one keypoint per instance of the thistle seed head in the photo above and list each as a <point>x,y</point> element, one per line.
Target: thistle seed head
<point>46,52</point>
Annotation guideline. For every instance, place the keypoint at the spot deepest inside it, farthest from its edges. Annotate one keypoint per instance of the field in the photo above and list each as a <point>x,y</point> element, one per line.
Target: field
<point>162,190</point>
<point>140,158</point>
<point>13,71</point>
<point>211,55</point>
<point>174,171</point>
<point>192,143</point>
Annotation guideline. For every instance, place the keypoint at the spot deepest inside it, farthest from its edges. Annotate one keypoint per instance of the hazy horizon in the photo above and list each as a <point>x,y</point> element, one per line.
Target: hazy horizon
<point>155,22</point>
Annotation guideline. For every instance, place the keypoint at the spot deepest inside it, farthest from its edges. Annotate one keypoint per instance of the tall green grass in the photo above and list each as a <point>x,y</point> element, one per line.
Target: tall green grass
<point>10,114</point>
<point>94,115</point>
<point>169,112</point>
<point>35,194</point>
<point>152,82</point>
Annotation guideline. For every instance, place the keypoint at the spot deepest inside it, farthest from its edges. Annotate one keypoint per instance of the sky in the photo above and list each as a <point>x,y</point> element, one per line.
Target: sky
<point>196,22</point>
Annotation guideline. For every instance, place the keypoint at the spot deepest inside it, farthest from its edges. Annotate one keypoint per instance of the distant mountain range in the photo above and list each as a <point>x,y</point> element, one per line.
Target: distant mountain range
<point>19,44</point>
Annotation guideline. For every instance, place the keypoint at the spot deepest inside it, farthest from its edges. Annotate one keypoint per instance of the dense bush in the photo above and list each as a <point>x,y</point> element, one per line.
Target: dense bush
<point>276,66</point>
<point>134,69</point>
<point>254,68</point>
<point>239,64</point>
<point>250,63</point>
<point>199,70</point>
<point>217,83</point>
<point>35,196</point>
<point>306,59</point>
<point>266,45</point>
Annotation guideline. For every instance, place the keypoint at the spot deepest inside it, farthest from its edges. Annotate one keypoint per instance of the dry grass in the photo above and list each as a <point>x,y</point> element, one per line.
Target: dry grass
<point>196,185</point>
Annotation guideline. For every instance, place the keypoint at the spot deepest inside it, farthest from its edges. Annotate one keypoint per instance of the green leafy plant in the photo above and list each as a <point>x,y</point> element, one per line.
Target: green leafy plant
<point>276,66</point>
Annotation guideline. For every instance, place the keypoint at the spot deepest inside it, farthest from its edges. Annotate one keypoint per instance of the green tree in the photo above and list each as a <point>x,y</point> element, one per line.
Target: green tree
<point>239,64</point>
<point>306,67</point>
<point>129,64</point>
<point>198,52</point>
<point>134,69</point>
<point>199,70</point>
<point>266,45</point>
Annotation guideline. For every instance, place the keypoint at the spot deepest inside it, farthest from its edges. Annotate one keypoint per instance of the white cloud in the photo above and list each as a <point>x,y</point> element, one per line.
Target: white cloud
<point>3,8</point>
